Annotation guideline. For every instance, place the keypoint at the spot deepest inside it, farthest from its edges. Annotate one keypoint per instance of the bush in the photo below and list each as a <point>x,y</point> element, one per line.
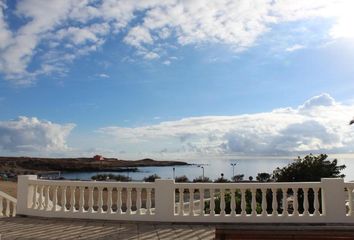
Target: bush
<point>151,178</point>
<point>201,179</point>
<point>221,180</point>
<point>238,178</point>
<point>263,177</point>
<point>181,179</point>
<point>309,169</point>
<point>105,177</point>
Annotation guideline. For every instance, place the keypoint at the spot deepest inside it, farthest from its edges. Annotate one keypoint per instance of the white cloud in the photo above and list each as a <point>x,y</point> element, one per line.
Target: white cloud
<point>318,125</point>
<point>294,48</point>
<point>33,135</point>
<point>146,25</point>
<point>5,33</point>
<point>103,75</point>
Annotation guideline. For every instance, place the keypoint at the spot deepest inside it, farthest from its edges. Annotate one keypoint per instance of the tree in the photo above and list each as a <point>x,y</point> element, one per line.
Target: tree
<point>151,178</point>
<point>250,178</point>
<point>309,169</point>
<point>183,178</point>
<point>238,178</point>
<point>201,179</point>
<point>221,179</point>
<point>263,177</point>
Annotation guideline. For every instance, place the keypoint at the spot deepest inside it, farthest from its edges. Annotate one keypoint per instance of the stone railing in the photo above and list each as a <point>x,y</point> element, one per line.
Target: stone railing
<point>7,205</point>
<point>328,201</point>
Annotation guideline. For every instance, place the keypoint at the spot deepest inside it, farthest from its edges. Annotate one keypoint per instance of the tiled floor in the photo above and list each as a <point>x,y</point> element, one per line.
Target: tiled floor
<point>41,228</point>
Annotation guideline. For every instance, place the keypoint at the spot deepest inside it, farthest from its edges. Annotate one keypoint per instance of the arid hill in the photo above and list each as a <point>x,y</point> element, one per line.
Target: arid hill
<point>26,165</point>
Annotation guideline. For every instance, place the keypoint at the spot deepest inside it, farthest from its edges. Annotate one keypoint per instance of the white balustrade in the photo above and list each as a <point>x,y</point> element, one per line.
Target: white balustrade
<point>168,201</point>
<point>7,205</point>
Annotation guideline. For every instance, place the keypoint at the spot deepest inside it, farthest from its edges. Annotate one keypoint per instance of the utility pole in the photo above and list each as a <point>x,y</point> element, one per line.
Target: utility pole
<point>233,169</point>
<point>203,171</point>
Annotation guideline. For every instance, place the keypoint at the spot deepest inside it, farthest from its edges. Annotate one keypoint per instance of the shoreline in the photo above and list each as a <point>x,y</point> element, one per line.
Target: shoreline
<point>33,165</point>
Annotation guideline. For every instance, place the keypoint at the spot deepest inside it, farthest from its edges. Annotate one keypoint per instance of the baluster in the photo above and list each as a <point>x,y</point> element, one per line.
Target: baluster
<point>274,202</point>
<point>90,201</point>
<point>148,201</point>
<point>222,202</point>
<point>295,202</point>
<point>243,202</point>
<point>306,202</point>
<point>316,202</point>
<point>350,200</point>
<point>138,201</point>
<point>254,203</point>
<point>119,200</point>
<point>82,200</point>
<point>201,203</point>
<point>1,207</point>
<point>34,197</point>
<point>181,201</point>
<point>46,198</point>
<point>264,202</point>
<point>7,207</point>
<point>14,209</point>
<point>40,204</point>
<point>72,199</point>
<point>63,199</point>
<point>55,199</point>
<point>100,200</point>
<point>191,202</point>
<point>212,203</point>
<point>233,202</point>
<point>109,200</point>
<point>285,202</point>
<point>129,200</point>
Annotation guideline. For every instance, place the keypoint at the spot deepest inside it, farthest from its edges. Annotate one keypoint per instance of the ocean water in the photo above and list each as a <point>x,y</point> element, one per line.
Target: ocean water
<point>212,169</point>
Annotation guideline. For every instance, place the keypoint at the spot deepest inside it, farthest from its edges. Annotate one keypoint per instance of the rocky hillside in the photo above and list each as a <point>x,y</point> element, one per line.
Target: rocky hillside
<point>21,165</point>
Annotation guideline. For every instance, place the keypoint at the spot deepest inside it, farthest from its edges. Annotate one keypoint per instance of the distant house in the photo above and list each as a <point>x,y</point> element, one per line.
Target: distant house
<point>98,158</point>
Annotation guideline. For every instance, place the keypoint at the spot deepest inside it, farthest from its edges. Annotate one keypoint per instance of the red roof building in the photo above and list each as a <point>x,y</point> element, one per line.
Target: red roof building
<point>98,158</point>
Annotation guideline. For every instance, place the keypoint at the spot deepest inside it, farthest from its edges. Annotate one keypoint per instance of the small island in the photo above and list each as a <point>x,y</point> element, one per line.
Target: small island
<point>36,165</point>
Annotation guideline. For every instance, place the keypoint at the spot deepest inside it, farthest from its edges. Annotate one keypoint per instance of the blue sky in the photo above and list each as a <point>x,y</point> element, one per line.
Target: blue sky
<point>176,79</point>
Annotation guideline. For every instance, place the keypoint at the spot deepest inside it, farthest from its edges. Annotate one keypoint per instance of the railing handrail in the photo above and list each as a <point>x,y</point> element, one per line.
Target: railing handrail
<point>8,197</point>
<point>266,185</point>
<point>167,201</point>
<point>92,183</point>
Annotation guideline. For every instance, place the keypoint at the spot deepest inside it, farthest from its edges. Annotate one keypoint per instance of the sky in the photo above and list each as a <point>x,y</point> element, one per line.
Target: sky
<point>171,79</point>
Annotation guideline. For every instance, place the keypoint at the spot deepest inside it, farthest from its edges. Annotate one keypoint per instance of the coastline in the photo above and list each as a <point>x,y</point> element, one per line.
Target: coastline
<point>34,165</point>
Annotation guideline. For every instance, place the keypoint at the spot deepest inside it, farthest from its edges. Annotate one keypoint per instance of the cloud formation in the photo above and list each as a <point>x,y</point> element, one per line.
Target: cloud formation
<point>33,135</point>
<point>318,125</point>
<point>57,32</point>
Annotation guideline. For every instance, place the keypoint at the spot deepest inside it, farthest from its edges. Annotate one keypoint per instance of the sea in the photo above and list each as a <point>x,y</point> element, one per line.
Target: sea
<point>213,168</point>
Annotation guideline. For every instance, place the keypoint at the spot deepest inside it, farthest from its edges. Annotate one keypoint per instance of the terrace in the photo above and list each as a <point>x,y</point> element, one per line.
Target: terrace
<point>225,207</point>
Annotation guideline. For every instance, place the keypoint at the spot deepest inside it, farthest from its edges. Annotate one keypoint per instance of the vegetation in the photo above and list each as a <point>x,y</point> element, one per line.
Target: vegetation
<point>201,179</point>
<point>151,178</point>
<point>263,177</point>
<point>221,179</point>
<point>181,179</point>
<point>309,169</point>
<point>105,177</point>
<point>238,178</point>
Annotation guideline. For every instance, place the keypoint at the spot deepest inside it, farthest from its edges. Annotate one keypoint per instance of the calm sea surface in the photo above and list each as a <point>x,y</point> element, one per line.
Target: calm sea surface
<point>212,169</point>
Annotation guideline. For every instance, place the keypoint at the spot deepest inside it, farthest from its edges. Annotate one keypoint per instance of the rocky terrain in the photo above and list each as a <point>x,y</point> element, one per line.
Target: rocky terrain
<point>33,165</point>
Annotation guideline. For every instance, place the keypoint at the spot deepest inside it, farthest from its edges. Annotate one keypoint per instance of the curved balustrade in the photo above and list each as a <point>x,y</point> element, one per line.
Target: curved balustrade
<point>108,200</point>
<point>328,201</point>
<point>7,205</point>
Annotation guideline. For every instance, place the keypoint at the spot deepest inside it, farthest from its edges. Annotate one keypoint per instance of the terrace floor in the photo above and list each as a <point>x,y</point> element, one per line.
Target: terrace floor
<point>42,228</point>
